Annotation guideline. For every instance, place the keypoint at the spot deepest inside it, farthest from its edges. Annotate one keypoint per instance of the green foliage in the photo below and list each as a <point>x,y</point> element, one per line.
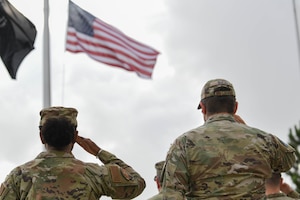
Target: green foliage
<point>294,141</point>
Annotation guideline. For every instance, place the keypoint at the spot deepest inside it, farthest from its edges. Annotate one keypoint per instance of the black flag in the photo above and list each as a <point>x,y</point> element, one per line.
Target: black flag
<point>17,36</point>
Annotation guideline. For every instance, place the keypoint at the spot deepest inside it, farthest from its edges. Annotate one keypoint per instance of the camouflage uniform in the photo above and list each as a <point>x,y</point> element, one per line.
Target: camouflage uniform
<point>158,166</point>
<point>223,159</point>
<point>158,196</point>
<point>59,175</point>
<point>280,196</point>
<point>294,194</point>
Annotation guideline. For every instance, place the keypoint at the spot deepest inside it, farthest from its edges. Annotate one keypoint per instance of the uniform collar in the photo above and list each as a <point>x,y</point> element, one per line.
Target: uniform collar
<point>55,154</point>
<point>220,117</point>
<point>279,194</point>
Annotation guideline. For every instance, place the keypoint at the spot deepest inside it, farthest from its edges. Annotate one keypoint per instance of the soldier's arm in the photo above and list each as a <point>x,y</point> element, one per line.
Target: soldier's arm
<point>128,182</point>
<point>5,192</point>
<point>284,155</point>
<point>7,188</point>
<point>125,182</point>
<point>290,192</point>
<point>175,175</point>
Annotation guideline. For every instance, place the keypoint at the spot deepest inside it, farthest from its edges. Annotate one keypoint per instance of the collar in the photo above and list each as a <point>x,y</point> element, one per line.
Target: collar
<point>279,194</point>
<point>220,117</point>
<point>55,154</point>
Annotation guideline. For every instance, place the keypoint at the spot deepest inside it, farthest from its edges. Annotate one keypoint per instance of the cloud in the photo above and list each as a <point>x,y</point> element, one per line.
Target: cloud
<point>251,43</point>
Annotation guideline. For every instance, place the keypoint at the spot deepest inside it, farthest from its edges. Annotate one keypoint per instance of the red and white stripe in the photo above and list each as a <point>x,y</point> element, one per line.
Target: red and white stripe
<point>110,46</point>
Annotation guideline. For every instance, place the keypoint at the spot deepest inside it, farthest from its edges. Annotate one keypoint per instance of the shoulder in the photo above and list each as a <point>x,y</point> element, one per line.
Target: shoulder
<point>277,196</point>
<point>158,196</point>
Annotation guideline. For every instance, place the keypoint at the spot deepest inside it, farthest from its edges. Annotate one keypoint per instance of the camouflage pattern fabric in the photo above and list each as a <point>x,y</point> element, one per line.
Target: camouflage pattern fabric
<point>158,167</point>
<point>57,175</point>
<point>58,111</point>
<point>279,196</point>
<point>213,88</point>
<point>210,89</point>
<point>158,196</point>
<point>223,159</point>
<point>294,194</point>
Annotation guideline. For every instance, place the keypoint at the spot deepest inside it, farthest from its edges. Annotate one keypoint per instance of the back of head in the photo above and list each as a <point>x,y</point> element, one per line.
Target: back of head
<point>218,95</point>
<point>274,181</point>
<point>58,126</point>
<point>273,184</point>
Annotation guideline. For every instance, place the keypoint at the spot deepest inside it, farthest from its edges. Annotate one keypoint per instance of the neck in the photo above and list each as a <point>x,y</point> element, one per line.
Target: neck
<point>67,149</point>
<point>208,115</point>
<point>272,191</point>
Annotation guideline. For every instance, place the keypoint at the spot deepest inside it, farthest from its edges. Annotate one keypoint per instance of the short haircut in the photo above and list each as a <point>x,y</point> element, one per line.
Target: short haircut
<point>58,132</point>
<point>219,104</point>
<point>274,181</point>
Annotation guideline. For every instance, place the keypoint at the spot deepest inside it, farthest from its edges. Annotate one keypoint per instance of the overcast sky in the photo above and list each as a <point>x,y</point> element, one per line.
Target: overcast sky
<point>251,43</point>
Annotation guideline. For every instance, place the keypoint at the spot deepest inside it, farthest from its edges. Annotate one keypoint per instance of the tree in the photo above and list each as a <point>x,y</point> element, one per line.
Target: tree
<point>294,141</point>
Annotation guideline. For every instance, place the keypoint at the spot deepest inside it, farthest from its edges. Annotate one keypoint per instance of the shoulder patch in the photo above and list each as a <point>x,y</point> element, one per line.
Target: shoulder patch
<point>115,174</point>
<point>125,174</point>
<point>118,174</point>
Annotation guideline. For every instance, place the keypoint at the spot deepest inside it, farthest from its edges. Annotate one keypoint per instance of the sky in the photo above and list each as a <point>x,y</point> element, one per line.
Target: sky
<point>251,43</point>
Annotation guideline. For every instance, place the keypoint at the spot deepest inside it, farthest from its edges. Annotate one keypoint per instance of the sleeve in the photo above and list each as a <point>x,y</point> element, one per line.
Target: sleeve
<point>175,174</point>
<point>7,188</point>
<point>124,181</point>
<point>158,196</point>
<point>284,155</point>
<point>5,192</point>
<point>293,194</point>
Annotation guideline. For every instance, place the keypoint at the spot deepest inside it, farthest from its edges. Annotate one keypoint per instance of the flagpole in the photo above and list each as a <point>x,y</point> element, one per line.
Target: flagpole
<point>46,58</point>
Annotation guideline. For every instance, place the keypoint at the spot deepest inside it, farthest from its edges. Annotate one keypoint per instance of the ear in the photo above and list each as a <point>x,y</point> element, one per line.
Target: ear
<point>42,138</point>
<point>157,183</point>
<point>235,107</point>
<point>75,136</point>
<point>203,108</point>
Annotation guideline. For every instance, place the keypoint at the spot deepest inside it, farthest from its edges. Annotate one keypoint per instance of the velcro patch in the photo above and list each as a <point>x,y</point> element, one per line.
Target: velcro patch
<point>125,174</point>
<point>115,174</point>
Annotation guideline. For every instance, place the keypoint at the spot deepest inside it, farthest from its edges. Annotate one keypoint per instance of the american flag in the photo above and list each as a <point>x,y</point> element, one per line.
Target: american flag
<point>107,44</point>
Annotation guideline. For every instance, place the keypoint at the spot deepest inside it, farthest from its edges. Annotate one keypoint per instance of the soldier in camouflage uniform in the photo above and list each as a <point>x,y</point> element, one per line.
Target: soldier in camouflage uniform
<point>276,189</point>
<point>224,158</point>
<point>57,174</point>
<point>158,179</point>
